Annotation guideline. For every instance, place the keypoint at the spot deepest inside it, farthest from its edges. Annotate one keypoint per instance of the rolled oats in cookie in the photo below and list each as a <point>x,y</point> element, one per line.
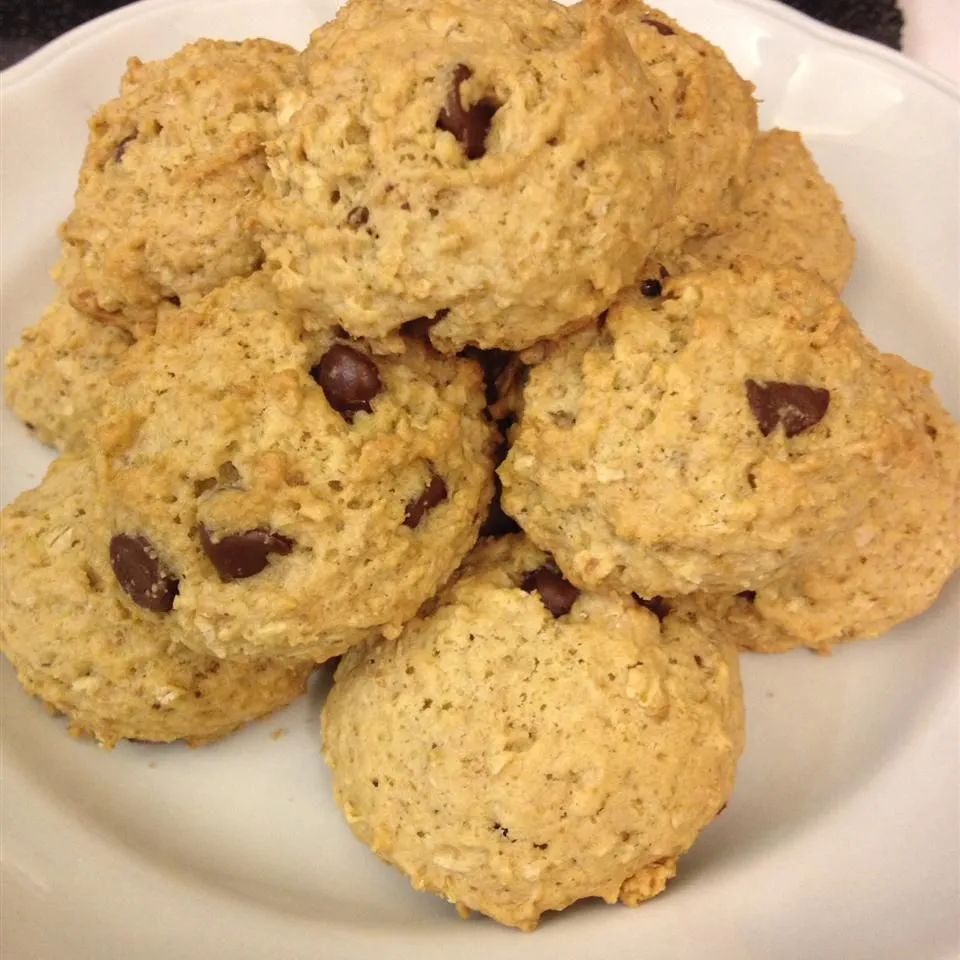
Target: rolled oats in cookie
<point>785,214</point>
<point>502,167</point>
<point>704,438</point>
<point>171,180</point>
<point>56,378</point>
<point>114,669</point>
<point>515,754</point>
<point>884,570</point>
<point>711,113</point>
<point>304,490</point>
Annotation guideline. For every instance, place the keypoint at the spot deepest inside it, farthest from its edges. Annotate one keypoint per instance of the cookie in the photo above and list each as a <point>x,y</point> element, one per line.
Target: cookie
<point>56,378</point>
<point>115,670</point>
<point>888,568</point>
<point>523,745</point>
<point>171,180</point>
<point>704,438</point>
<point>711,111</point>
<point>786,214</point>
<point>501,166</point>
<point>303,491</point>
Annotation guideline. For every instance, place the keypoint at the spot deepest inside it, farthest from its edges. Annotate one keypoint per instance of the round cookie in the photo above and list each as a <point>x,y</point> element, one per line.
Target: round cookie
<point>56,378</point>
<point>171,180</point>
<point>502,166</point>
<point>785,214</point>
<point>888,568</point>
<point>713,116</point>
<point>522,746</point>
<point>702,439</point>
<point>116,671</point>
<point>304,491</point>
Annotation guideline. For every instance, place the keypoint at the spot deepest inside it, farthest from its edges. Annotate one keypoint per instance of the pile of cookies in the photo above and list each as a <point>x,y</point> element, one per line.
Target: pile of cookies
<point>489,345</point>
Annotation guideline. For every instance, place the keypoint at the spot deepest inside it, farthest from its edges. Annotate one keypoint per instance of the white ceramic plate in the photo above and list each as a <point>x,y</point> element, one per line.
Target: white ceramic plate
<point>842,838</point>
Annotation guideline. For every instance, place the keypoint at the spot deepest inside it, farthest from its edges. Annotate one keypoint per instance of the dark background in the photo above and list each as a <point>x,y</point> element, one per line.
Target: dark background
<point>27,25</point>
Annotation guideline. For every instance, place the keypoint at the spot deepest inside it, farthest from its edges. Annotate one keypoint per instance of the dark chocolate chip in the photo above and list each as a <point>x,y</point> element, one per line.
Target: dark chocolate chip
<point>661,28</point>
<point>435,492</point>
<point>174,300</point>
<point>141,575</point>
<point>651,287</point>
<point>656,605</point>
<point>121,148</point>
<point>469,125</point>
<point>349,380</point>
<point>357,217</point>
<point>748,595</point>
<point>240,555</point>
<point>558,595</point>
<point>796,406</point>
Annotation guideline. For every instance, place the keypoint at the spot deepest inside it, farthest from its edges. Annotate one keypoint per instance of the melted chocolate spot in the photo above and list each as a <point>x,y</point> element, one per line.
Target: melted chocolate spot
<point>469,125</point>
<point>240,555</point>
<point>434,493</point>
<point>796,406</point>
<point>558,595</point>
<point>141,575</point>
<point>349,380</point>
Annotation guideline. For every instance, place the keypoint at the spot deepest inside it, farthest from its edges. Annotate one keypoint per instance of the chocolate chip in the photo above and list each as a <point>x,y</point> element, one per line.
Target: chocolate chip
<point>661,28</point>
<point>121,148</point>
<point>469,125</point>
<point>796,406</point>
<point>656,605</point>
<point>357,217</point>
<point>651,288</point>
<point>349,380</point>
<point>558,595</point>
<point>140,573</point>
<point>748,595</point>
<point>241,555</point>
<point>435,492</point>
<point>174,300</point>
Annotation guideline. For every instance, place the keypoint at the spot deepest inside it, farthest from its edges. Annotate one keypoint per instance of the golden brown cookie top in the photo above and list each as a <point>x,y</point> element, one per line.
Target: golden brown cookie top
<point>703,437</point>
<point>502,167</point>
<point>522,746</point>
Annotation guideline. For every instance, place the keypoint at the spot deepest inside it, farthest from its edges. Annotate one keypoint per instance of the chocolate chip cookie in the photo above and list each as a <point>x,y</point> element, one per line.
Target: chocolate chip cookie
<point>888,567</point>
<point>113,668</point>
<point>785,214</point>
<point>500,167</point>
<point>56,378</point>
<point>171,180</point>
<point>710,109</point>
<point>288,493</point>
<point>705,434</point>
<point>523,745</point>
